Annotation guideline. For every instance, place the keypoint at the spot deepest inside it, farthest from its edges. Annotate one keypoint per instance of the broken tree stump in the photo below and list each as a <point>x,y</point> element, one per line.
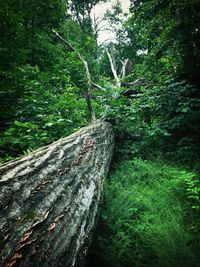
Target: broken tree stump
<point>49,199</point>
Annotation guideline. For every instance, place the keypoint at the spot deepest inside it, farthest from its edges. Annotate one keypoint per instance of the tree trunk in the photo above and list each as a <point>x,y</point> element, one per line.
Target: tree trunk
<point>49,199</point>
<point>113,68</point>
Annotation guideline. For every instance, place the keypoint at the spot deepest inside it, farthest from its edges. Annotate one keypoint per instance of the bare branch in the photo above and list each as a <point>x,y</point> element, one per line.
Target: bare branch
<point>113,68</point>
<point>98,86</point>
<point>85,63</point>
<point>123,69</point>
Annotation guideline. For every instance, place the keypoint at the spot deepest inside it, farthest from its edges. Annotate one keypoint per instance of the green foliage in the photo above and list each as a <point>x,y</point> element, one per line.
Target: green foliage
<point>162,114</point>
<point>51,108</point>
<point>156,119</point>
<point>25,39</point>
<point>163,117</point>
<point>145,219</point>
<point>169,35</point>
<point>151,211</point>
<point>43,83</point>
<point>86,45</point>
<point>82,12</point>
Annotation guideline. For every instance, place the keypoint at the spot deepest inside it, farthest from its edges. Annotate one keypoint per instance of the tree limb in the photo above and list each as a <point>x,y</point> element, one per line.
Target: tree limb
<point>97,86</point>
<point>113,68</point>
<point>123,70</point>
<point>85,63</point>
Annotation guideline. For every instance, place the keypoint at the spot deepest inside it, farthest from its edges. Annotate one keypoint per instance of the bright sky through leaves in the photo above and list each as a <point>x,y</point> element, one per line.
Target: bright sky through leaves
<point>99,11</point>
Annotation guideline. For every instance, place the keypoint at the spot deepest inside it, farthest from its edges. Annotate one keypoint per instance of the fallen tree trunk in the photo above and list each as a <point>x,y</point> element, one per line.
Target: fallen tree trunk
<point>49,199</point>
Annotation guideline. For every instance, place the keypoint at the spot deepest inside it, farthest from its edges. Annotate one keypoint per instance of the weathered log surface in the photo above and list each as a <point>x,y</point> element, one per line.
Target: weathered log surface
<point>49,199</point>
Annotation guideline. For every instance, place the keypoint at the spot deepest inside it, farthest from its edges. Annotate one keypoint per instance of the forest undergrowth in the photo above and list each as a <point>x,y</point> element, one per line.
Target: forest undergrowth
<point>151,210</point>
<point>149,217</point>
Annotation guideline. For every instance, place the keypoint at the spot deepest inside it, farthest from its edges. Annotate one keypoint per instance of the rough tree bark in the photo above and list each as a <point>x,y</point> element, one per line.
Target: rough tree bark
<point>49,199</point>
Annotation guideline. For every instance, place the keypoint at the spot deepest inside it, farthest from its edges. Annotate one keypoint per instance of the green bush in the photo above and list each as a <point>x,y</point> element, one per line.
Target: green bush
<point>51,108</point>
<point>161,118</point>
<point>149,217</point>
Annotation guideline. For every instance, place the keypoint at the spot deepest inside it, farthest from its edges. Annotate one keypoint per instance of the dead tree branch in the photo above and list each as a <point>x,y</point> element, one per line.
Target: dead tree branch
<point>88,74</point>
<point>113,68</point>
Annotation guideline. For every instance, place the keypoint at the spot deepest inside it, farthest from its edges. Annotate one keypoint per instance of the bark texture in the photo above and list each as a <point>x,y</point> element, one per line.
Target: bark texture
<point>49,199</point>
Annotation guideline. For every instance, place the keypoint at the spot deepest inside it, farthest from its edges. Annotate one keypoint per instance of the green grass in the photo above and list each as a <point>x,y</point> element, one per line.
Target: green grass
<point>149,217</point>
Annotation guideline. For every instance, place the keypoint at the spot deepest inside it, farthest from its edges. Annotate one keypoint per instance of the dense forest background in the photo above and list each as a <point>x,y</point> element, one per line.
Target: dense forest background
<point>150,215</point>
